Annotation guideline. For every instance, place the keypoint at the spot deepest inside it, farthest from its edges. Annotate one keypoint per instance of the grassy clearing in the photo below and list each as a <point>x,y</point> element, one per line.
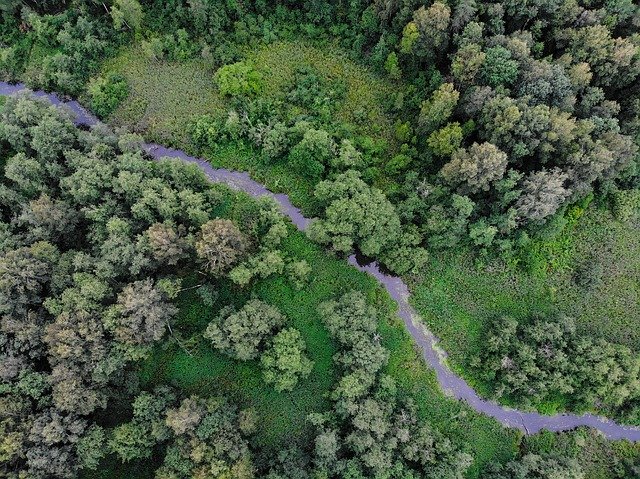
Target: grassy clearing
<point>458,301</point>
<point>164,96</point>
<point>365,91</point>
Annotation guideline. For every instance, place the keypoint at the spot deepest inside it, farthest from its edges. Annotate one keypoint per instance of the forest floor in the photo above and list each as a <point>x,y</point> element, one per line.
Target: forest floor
<point>456,299</point>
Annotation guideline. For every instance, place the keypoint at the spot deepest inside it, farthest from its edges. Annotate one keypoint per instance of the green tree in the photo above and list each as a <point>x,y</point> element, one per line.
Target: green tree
<point>238,79</point>
<point>543,192</point>
<point>534,466</point>
<point>476,167</point>
<point>285,362</point>
<point>241,334</point>
<point>355,215</point>
<point>446,140</point>
<point>392,67</point>
<point>312,153</point>
<point>437,110</point>
<point>498,68</point>
<point>220,245</point>
<point>127,13</point>
<point>107,93</point>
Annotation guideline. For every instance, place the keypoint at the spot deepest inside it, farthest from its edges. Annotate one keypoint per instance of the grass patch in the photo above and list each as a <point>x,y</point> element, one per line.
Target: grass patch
<point>164,97</point>
<point>362,106</point>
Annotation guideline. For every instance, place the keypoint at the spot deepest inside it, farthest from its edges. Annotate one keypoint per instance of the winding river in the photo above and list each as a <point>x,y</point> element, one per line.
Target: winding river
<point>453,385</point>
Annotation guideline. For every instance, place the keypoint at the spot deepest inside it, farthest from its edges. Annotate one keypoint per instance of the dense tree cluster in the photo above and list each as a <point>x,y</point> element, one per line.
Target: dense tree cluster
<point>544,359</point>
<point>539,467</point>
<point>93,236</point>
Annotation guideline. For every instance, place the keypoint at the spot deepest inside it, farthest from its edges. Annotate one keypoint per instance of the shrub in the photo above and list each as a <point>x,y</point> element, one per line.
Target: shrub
<point>626,204</point>
<point>240,334</point>
<point>238,79</point>
<point>285,362</point>
<point>107,93</point>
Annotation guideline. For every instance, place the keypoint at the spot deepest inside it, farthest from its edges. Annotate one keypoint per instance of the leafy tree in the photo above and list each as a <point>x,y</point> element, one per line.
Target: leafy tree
<point>107,93</point>
<point>312,153</point>
<point>221,245</point>
<point>546,358</point>
<point>167,246</point>
<point>285,363</point>
<point>242,333</point>
<point>209,442</point>
<point>431,25</point>
<point>476,167</point>
<point>355,215</point>
<point>127,13</point>
<point>498,68</point>
<point>467,64</point>
<point>392,67</point>
<point>437,110</point>
<point>446,140</point>
<point>543,192</point>
<point>141,314</point>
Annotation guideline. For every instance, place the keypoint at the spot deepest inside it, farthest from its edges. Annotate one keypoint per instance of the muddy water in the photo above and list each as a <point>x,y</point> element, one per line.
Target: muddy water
<point>453,385</point>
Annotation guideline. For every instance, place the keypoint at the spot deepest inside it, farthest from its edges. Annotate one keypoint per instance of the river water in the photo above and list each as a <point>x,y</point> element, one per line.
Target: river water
<point>451,384</point>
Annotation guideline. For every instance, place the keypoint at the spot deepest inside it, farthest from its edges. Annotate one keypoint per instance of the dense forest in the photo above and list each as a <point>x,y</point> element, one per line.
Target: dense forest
<point>487,129</point>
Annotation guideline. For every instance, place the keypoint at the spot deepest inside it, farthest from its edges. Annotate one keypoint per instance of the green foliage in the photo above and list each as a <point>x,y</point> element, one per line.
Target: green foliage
<point>391,66</point>
<point>446,140</point>
<point>437,110</point>
<point>238,79</point>
<point>312,153</point>
<point>285,362</point>
<point>241,334</point>
<point>107,93</point>
<point>127,13</point>
<point>498,69</point>
<point>540,467</point>
<point>626,204</point>
<point>545,359</point>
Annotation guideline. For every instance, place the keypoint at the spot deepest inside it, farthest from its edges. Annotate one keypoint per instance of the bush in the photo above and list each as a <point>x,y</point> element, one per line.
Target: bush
<point>107,93</point>
<point>238,79</point>
<point>589,274</point>
<point>626,204</point>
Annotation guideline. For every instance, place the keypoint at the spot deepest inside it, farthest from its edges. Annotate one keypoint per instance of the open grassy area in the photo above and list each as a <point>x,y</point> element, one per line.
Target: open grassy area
<point>165,97</point>
<point>458,301</point>
<point>362,106</point>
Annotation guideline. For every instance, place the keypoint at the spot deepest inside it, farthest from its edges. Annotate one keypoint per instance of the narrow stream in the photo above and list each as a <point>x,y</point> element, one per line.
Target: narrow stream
<point>453,385</point>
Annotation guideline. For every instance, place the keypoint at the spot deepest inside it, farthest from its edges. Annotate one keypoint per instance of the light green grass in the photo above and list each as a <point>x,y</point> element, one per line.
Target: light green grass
<point>365,92</point>
<point>164,97</point>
